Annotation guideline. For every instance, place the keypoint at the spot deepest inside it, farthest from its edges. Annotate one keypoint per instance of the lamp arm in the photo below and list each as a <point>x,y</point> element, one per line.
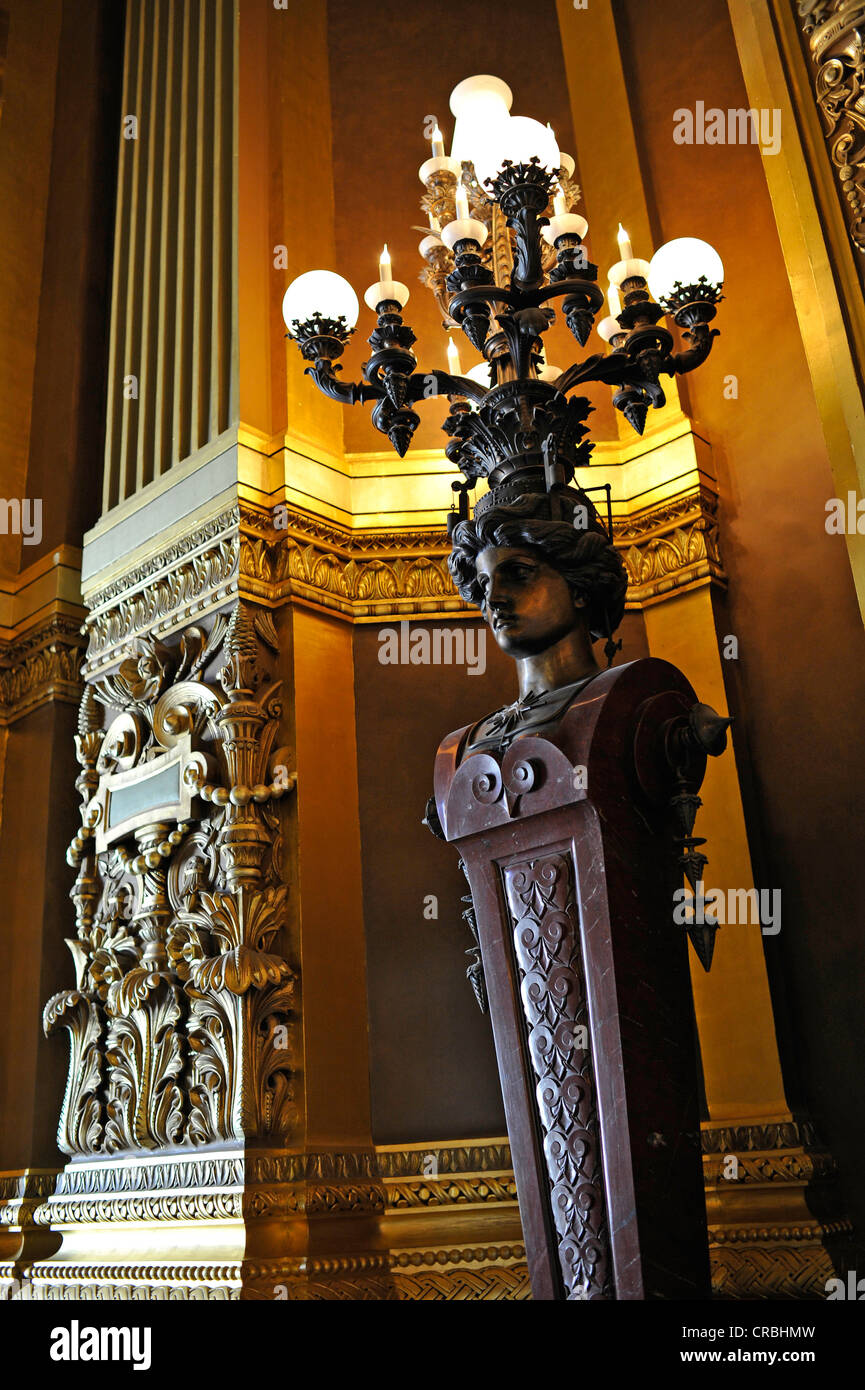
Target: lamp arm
<point>614,368</point>
<point>563,289</point>
<point>346,392</point>
<point>445,385</point>
<point>701,337</point>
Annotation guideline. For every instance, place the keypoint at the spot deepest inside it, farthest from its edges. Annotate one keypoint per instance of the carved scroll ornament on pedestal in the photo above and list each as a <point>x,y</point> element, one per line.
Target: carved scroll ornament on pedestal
<point>180,1022</point>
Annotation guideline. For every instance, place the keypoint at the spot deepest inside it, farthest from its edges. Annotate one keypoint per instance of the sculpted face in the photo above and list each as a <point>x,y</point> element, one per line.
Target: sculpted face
<point>527,602</point>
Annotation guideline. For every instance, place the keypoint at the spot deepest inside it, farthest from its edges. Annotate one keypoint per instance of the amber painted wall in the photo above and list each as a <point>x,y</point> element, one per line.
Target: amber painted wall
<point>798,688</point>
<point>58,144</point>
<point>69,380</point>
<point>25,164</point>
<point>36,916</point>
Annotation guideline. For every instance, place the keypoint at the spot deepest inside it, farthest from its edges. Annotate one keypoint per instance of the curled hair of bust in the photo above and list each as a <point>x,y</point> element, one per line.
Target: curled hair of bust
<point>587,560</point>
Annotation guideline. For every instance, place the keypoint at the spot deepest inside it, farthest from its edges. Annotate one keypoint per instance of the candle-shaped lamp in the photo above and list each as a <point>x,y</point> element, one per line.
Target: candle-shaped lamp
<point>385,270</point>
<point>626,250</point>
<point>609,327</point>
<point>560,203</point>
<point>629,266</point>
<point>454,364</point>
<point>438,143</point>
<point>464,227</point>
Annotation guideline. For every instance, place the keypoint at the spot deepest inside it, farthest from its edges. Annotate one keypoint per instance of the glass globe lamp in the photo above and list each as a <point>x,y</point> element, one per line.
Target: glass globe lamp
<point>477,103</point>
<point>685,273</point>
<point>323,297</point>
<point>520,140</point>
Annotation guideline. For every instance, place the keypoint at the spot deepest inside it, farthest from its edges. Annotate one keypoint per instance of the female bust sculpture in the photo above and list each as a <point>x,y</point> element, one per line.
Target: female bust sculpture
<point>549,583</point>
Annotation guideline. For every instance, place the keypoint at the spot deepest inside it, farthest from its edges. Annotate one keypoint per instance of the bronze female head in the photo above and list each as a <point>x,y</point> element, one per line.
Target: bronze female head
<point>538,567</point>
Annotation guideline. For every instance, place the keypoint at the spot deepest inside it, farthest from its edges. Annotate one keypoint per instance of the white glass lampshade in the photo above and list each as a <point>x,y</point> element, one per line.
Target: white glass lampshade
<point>480,374</point>
<point>518,139</point>
<point>683,262</point>
<point>547,372</point>
<point>477,103</point>
<point>320,292</point>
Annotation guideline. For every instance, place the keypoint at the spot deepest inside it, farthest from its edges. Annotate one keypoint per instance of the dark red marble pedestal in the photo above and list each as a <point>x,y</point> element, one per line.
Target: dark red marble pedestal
<point>569,857</point>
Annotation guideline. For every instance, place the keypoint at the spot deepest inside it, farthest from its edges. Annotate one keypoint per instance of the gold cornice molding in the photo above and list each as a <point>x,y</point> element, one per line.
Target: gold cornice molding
<point>786,1133</point>
<point>428,1176</point>
<point>193,575</point>
<point>447,1212</point>
<point>41,641</point>
<point>671,546</point>
<point>43,664</point>
<point>397,1162</point>
<point>762,1181</point>
<point>452,1222</point>
<point>360,576</point>
<point>171,1206</point>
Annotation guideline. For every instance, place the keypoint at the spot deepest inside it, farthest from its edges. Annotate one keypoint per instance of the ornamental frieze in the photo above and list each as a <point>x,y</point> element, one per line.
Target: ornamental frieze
<point>42,665</point>
<point>275,556</point>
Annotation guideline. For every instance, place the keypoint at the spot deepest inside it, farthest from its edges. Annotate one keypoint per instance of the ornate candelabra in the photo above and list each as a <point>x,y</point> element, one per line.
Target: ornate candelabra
<point>504,246</point>
<point>561,805</point>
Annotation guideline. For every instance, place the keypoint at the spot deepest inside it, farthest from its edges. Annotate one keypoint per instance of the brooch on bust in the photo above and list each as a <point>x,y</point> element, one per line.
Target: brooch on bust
<point>506,720</point>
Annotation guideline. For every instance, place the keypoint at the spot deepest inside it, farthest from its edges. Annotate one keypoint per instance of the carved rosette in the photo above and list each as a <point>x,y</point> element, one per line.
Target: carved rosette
<point>181,1021</point>
<point>544,916</point>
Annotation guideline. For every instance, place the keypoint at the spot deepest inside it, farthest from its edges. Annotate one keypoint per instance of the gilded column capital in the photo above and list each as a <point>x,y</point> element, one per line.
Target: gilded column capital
<point>43,664</point>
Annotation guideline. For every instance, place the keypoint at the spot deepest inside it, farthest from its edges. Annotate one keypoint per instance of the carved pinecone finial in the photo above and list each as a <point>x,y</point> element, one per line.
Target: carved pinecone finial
<point>240,671</point>
<point>240,634</point>
<point>89,713</point>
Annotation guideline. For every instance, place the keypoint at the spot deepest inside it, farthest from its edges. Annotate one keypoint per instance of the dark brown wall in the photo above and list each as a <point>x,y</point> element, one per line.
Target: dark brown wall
<point>431,1051</point>
<point>65,466</point>
<point>798,688</point>
<point>39,819</point>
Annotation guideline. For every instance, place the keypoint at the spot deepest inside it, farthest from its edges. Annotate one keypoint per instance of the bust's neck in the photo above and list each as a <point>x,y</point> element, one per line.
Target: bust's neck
<point>567,661</point>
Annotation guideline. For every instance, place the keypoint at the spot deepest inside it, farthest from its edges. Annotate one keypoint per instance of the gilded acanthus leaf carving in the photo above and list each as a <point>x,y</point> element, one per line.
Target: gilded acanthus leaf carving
<point>145,1104</point>
<point>81,1122</point>
<point>181,1023</point>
